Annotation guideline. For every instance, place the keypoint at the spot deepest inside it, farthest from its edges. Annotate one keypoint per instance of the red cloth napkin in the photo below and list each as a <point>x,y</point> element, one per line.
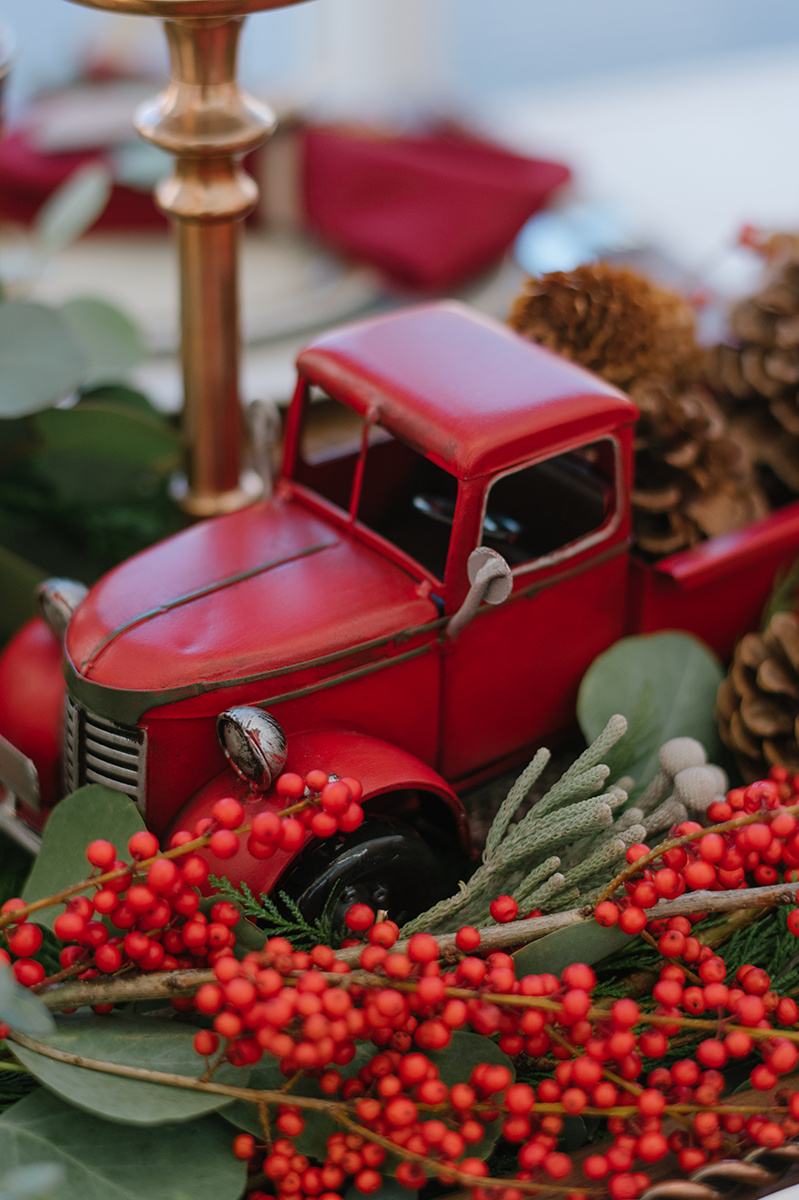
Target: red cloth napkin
<point>27,177</point>
<point>430,210</point>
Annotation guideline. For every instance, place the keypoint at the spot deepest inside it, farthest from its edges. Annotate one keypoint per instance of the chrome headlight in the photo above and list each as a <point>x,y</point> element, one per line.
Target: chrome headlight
<point>254,743</point>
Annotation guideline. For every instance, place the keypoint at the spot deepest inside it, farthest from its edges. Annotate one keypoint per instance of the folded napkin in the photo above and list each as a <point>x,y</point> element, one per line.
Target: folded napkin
<point>430,210</point>
<point>28,176</point>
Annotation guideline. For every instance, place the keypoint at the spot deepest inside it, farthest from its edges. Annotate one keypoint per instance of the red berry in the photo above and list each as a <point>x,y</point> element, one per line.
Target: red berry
<point>228,812</point>
<point>101,853</point>
<point>143,845</point>
<point>244,1145</point>
<point>504,909</point>
<point>467,939</point>
<point>633,920</point>
<point>359,917</point>
<point>24,940</point>
<point>224,843</point>
<point>606,913</point>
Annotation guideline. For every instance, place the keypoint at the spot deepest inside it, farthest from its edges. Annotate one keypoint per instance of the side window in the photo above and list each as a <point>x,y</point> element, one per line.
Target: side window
<point>404,497</point>
<point>552,506</point>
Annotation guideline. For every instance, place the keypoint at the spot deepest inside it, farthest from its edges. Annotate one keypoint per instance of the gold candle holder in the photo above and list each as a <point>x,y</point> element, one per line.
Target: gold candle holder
<point>205,120</point>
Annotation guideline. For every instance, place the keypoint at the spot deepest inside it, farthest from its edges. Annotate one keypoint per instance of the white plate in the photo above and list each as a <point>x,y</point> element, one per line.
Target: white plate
<point>287,285</point>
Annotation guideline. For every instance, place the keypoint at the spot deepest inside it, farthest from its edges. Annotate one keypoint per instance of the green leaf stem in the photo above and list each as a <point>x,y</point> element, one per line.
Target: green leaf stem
<point>144,1042</point>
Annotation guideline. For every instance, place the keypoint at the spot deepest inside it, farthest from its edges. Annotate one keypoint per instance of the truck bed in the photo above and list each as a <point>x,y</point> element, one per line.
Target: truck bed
<point>719,588</point>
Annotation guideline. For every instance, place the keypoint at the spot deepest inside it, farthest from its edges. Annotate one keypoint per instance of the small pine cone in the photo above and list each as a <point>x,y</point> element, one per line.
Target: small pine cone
<point>757,707</point>
<point>692,480</point>
<point>756,371</point>
<point>612,321</point>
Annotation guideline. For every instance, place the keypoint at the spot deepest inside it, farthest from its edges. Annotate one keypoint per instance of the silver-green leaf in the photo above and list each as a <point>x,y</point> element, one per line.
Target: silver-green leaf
<point>72,208</point>
<point>665,684</point>
<point>143,1042</point>
<point>41,361</point>
<point>92,812</point>
<point>21,1008</point>
<point>110,341</point>
<point>103,1161</point>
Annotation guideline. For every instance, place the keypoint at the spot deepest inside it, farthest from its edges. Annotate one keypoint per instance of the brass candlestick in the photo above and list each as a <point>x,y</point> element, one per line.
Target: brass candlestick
<point>205,120</point>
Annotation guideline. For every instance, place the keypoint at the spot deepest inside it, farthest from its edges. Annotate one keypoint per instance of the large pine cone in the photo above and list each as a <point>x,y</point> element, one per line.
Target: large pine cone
<point>755,374</point>
<point>758,703</point>
<point>691,479</point>
<point>612,321</point>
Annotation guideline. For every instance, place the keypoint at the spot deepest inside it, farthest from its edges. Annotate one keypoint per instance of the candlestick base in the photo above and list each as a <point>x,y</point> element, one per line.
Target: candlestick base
<point>250,489</point>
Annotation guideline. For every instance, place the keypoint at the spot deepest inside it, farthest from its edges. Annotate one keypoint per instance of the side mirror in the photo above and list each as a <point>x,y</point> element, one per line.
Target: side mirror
<point>491,581</point>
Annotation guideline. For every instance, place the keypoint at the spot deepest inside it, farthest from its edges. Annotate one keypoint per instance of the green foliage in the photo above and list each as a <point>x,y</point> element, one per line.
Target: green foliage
<point>72,209</point>
<point>21,1008</point>
<point>586,942</point>
<point>784,594</point>
<point>524,859</point>
<point>457,1061</point>
<point>40,360</point>
<point>278,916</point>
<point>94,811</point>
<point>110,341</point>
<point>104,1161</point>
<point>143,1042</point>
<point>670,678</point>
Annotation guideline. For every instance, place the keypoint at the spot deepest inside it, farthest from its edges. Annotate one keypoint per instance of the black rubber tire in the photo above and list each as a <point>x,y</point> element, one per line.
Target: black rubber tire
<point>384,864</point>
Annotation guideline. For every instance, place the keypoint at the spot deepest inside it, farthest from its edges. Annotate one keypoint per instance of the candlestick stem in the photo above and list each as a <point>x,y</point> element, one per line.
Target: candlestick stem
<point>208,124</point>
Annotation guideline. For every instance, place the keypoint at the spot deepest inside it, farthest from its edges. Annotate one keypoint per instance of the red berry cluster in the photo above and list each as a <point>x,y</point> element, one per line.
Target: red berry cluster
<point>310,1009</point>
<point>153,901</point>
<point>739,853</point>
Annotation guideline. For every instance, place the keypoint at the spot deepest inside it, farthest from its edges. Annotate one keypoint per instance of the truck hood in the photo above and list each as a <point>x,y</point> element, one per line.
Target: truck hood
<point>268,587</point>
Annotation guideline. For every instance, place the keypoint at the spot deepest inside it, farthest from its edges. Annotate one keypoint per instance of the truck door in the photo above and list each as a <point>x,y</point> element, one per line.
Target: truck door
<point>510,677</point>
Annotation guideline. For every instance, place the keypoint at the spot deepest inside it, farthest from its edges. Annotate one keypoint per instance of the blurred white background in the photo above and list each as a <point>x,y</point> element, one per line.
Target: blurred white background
<point>456,50</point>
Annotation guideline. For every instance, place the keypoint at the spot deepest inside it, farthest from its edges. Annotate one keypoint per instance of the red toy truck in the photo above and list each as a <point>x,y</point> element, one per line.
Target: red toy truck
<point>415,606</point>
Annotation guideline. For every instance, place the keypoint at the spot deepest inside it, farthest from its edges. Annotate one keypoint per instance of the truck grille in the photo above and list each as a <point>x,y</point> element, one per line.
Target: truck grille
<point>100,751</point>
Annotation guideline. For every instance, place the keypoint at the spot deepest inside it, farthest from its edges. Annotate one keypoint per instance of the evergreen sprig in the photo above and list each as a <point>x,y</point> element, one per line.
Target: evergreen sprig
<point>280,916</point>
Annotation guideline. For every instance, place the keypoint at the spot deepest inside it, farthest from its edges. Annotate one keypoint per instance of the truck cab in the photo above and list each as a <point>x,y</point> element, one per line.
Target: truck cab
<point>352,619</point>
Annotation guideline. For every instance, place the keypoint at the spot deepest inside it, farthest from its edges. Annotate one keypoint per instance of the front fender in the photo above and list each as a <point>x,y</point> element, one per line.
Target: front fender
<point>381,768</point>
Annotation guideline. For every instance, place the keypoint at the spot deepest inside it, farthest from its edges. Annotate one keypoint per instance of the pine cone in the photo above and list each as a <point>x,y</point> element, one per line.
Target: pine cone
<point>757,708</point>
<point>692,480</point>
<point>755,375</point>
<point>612,321</point>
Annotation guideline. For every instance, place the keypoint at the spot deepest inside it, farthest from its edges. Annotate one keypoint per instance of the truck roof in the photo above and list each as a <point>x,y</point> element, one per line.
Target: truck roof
<point>468,392</point>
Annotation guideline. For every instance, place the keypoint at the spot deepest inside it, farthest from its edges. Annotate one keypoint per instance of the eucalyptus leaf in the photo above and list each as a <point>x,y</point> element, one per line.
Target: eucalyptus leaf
<point>94,811</point>
<point>72,208</point>
<point>671,677</point>
<point>104,1161</point>
<point>455,1064</point>
<point>110,341</point>
<point>265,1076</point>
<point>587,943</point>
<point>144,1042</point>
<point>117,393</point>
<point>21,1008</point>
<point>41,362</point>
<point>115,433</point>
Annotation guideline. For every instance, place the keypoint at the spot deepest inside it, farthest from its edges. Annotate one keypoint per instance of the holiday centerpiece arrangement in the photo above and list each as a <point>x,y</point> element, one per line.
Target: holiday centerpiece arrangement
<point>261,950</point>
